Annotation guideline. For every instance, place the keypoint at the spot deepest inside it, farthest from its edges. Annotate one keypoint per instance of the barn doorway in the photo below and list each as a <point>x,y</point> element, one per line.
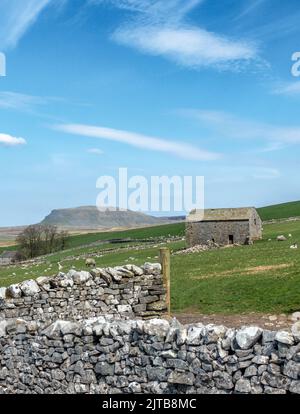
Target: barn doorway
<point>231,239</point>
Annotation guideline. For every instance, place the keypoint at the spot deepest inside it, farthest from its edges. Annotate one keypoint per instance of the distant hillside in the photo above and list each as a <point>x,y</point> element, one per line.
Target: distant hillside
<point>280,211</point>
<point>90,217</point>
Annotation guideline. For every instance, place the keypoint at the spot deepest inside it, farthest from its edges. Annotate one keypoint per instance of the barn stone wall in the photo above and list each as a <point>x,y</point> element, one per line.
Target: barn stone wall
<point>256,226</point>
<point>128,291</point>
<point>217,231</point>
<point>103,356</point>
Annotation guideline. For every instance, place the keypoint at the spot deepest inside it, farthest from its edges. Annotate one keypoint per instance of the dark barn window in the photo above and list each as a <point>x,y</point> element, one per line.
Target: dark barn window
<point>231,239</point>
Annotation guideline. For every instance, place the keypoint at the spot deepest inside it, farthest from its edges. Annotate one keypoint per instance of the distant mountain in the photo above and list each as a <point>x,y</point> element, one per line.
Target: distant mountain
<point>90,217</point>
<point>280,211</point>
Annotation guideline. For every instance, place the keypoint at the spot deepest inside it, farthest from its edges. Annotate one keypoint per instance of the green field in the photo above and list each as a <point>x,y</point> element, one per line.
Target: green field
<point>135,234</point>
<point>263,278</point>
<point>280,211</point>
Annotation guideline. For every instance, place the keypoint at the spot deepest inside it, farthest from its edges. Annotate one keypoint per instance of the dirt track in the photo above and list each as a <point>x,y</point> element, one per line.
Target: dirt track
<point>271,322</point>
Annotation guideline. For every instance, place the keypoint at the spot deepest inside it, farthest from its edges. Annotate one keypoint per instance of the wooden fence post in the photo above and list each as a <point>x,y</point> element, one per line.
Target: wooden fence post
<point>166,271</point>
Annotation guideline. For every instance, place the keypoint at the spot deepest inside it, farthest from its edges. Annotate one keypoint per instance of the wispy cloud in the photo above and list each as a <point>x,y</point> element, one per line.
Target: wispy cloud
<point>19,101</point>
<point>238,128</point>
<point>264,173</point>
<point>96,151</point>
<point>251,7</point>
<point>160,28</point>
<point>16,17</point>
<point>145,142</point>
<point>244,173</point>
<point>10,141</point>
<point>288,89</point>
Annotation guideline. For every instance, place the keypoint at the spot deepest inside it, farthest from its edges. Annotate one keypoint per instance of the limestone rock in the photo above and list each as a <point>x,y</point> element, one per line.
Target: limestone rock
<point>13,291</point>
<point>157,327</point>
<point>152,268</point>
<point>295,317</point>
<point>184,378</point>
<point>61,328</point>
<point>104,369</point>
<point>124,309</point>
<point>248,336</point>
<point>296,331</point>
<point>194,335</point>
<point>2,293</point>
<point>81,277</point>
<point>243,386</point>
<point>3,325</point>
<point>29,288</point>
<point>284,338</point>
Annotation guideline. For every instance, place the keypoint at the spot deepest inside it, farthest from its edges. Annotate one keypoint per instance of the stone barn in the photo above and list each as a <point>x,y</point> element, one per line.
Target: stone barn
<point>223,226</point>
<point>8,257</point>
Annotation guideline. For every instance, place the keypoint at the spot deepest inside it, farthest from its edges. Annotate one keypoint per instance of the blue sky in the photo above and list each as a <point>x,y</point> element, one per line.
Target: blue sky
<point>173,87</point>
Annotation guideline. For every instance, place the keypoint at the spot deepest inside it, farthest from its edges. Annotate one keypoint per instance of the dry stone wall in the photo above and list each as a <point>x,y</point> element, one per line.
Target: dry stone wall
<point>128,291</point>
<point>104,355</point>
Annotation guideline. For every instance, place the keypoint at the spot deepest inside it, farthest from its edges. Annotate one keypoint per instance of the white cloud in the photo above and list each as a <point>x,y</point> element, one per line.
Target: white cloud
<point>187,46</point>
<point>250,8</point>
<point>10,141</point>
<point>179,149</point>
<point>96,151</point>
<point>17,16</point>
<point>289,89</point>
<point>242,174</point>
<point>14,100</point>
<point>160,28</point>
<point>234,127</point>
<point>266,173</point>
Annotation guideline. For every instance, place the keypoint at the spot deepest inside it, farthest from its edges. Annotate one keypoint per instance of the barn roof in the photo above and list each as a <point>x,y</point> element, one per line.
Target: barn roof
<point>221,214</point>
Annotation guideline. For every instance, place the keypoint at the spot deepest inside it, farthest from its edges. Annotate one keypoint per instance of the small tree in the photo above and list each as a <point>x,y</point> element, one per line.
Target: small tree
<point>38,239</point>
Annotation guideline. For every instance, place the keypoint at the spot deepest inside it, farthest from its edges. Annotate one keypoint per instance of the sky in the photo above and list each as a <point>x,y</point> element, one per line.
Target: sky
<point>172,87</point>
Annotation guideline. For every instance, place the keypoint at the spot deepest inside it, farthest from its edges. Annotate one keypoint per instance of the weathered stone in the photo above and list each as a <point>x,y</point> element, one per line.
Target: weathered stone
<point>156,327</point>
<point>292,369</point>
<point>2,293</point>
<point>152,268</point>
<point>296,331</point>
<point>61,328</point>
<point>124,309</point>
<point>157,306</point>
<point>295,387</point>
<point>13,291</point>
<point>115,274</point>
<point>194,335</point>
<point>223,380</point>
<point>29,288</point>
<point>248,336</point>
<point>260,360</point>
<point>184,378</point>
<point>284,338</point>
<point>3,325</point>
<point>251,371</point>
<point>243,386</point>
<point>81,277</point>
<point>104,369</point>
<point>156,373</point>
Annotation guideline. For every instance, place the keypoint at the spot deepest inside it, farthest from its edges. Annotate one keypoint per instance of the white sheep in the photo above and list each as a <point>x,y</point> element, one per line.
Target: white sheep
<point>90,262</point>
<point>294,246</point>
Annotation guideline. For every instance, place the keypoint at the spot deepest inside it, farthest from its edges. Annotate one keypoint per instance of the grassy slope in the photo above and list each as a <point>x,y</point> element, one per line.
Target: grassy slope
<point>276,290</point>
<point>141,233</point>
<point>280,211</point>
<point>199,281</point>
